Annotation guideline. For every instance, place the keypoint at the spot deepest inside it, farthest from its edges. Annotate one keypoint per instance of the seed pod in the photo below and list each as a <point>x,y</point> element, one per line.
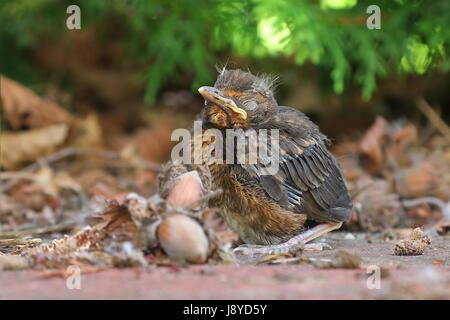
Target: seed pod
<point>413,246</point>
<point>183,239</point>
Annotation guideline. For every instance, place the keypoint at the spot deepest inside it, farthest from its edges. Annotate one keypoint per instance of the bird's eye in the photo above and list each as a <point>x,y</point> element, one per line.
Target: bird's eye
<point>251,105</point>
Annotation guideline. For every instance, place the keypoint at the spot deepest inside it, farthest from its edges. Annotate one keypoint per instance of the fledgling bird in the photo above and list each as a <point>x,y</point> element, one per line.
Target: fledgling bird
<point>269,211</point>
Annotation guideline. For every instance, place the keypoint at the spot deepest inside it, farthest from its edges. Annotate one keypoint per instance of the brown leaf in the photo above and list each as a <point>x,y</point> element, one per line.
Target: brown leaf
<point>404,135</point>
<point>99,183</point>
<point>371,145</point>
<point>25,110</point>
<point>19,148</point>
<point>429,177</point>
<point>87,132</point>
<point>443,227</point>
<point>379,208</point>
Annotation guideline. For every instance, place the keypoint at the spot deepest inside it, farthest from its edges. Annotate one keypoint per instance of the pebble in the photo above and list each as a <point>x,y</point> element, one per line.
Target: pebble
<point>349,236</point>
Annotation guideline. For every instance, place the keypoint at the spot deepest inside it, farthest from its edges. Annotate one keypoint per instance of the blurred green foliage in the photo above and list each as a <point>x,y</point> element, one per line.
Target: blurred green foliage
<point>184,38</point>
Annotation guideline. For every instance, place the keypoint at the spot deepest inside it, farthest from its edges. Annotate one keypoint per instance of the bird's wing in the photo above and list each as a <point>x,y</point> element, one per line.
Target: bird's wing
<point>309,179</point>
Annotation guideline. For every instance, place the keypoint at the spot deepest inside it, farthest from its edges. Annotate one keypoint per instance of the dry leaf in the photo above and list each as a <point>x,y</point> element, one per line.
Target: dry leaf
<point>87,133</point>
<point>443,227</point>
<point>22,147</point>
<point>379,208</point>
<point>401,135</point>
<point>138,208</point>
<point>371,145</point>
<point>25,110</point>
<point>426,178</point>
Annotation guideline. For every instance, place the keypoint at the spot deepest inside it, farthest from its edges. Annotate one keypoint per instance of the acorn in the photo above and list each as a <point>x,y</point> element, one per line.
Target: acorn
<point>183,239</point>
<point>187,189</point>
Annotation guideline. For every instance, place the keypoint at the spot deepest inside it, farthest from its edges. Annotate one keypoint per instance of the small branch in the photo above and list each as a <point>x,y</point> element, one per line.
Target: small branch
<point>70,152</point>
<point>34,231</point>
<point>17,241</point>
<point>444,207</point>
<point>434,118</point>
<point>76,151</point>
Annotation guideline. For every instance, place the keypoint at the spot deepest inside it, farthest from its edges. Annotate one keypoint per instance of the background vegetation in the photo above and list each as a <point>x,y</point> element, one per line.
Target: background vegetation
<point>179,42</point>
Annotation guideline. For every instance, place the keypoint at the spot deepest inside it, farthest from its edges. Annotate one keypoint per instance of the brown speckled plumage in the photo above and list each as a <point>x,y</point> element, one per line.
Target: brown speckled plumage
<point>270,209</point>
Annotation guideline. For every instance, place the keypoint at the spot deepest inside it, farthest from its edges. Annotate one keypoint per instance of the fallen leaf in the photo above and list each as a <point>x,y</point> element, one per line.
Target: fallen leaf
<point>25,110</point>
<point>22,147</point>
<point>427,178</point>
<point>379,208</point>
<point>443,227</point>
<point>371,145</point>
<point>88,132</point>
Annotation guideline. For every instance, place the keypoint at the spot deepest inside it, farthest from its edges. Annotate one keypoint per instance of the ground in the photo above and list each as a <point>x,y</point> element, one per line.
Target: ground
<point>417,277</point>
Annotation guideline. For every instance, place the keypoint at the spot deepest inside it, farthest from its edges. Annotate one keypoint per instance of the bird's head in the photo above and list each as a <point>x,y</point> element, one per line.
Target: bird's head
<point>238,99</point>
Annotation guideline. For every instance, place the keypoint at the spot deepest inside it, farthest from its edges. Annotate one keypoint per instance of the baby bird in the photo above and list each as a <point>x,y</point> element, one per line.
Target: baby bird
<point>269,211</point>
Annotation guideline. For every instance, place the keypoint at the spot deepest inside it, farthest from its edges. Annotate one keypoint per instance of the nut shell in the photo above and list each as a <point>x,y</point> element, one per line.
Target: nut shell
<point>186,190</point>
<point>183,239</point>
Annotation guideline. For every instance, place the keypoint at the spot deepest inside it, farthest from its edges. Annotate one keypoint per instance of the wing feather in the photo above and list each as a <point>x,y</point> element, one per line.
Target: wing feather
<point>309,175</point>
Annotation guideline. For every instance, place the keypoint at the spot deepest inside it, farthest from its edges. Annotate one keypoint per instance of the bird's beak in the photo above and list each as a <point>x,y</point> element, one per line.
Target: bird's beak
<point>215,96</point>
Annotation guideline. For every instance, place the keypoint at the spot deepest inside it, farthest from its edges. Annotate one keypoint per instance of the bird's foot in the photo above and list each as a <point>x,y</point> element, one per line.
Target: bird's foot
<point>254,253</point>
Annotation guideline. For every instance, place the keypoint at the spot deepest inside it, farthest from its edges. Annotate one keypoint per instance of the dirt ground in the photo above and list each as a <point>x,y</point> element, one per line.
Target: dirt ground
<point>404,277</point>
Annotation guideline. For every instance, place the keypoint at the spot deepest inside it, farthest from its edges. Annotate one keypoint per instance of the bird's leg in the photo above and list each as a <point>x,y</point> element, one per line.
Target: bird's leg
<point>251,253</point>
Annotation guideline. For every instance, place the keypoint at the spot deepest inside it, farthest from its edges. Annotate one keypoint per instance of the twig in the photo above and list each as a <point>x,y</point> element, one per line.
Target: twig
<point>34,231</point>
<point>17,176</point>
<point>434,118</point>
<point>444,207</point>
<point>69,152</point>
<point>16,241</point>
<point>76,151</point>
